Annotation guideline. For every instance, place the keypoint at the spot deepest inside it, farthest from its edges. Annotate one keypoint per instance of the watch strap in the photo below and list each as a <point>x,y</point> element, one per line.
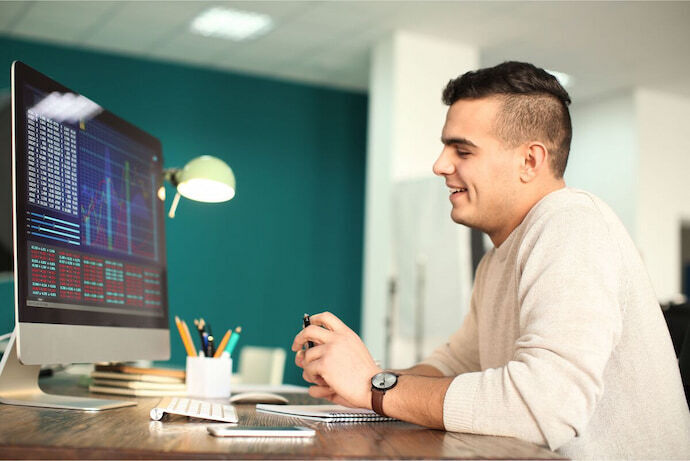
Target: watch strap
<point>377,401</point>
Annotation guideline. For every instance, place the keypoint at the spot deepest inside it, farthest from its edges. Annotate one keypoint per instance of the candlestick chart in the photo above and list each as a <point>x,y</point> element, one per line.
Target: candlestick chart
<point>117,198</point>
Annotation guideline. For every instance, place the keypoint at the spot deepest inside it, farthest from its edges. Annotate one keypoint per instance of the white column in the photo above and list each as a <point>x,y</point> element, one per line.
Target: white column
<point>406,115</point>
<point>663,124</point>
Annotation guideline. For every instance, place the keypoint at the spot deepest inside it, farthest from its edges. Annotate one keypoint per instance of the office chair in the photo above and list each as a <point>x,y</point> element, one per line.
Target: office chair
<point>261,365</point>
<point>678,321</point>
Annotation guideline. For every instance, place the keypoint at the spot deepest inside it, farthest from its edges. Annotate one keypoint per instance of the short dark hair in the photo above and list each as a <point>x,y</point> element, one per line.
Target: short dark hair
<point>535,106</point>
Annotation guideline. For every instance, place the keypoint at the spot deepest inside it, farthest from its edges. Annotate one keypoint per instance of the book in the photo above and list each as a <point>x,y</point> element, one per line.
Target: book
<point>325,413</point>
<point>169,372</point>
<point>139,384</point>
<point>136,392</point>
<point>135,377</point>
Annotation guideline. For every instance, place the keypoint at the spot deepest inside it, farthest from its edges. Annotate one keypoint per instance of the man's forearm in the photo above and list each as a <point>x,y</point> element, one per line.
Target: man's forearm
<point>418,399</point>
<point>420,370</point>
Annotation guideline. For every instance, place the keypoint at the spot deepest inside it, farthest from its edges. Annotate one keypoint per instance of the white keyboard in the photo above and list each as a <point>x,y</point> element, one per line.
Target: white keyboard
<point>194,409</point>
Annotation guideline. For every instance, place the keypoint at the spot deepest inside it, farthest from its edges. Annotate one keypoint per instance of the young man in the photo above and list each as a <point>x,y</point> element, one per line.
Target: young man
<point>565,344</point>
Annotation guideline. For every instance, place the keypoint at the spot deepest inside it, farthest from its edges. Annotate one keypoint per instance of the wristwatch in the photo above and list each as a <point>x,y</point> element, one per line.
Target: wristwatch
<point>380,383</point>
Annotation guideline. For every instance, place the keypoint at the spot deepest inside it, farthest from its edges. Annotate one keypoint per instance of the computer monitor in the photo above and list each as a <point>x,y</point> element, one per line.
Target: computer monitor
<point>89,235</point>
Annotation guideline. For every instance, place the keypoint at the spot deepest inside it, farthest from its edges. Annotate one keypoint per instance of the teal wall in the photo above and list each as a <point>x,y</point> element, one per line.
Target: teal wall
<point>291,240</point>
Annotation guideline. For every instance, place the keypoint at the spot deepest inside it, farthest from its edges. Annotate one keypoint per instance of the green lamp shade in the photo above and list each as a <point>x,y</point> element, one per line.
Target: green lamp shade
<point>206,179</point>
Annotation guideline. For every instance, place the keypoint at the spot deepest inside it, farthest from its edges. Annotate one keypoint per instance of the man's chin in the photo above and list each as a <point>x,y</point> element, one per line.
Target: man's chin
<point>465,219</point>
<point>460,218</point>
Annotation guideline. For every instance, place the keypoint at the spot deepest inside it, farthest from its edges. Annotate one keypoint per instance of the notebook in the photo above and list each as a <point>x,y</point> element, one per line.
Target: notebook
<point>326,413</point>
<point>136,392</point>
<point>111,375</point>
<point>139,384</point>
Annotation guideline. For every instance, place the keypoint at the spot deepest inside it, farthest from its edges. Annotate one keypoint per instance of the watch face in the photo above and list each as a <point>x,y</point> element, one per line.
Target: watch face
<point>384,380</point>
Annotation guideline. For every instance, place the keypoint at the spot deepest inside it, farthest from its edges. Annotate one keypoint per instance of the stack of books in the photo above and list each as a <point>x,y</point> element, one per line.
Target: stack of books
<point>136,381</point>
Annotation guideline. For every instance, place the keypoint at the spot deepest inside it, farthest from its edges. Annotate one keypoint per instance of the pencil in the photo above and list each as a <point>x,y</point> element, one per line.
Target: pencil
<point>233,340</point>
<point>223,343</point>
<point>183,336</point>
<point>188,338</point>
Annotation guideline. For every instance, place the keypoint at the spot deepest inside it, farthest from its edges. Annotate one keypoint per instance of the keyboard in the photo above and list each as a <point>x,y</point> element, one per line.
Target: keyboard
<point>194,409</point>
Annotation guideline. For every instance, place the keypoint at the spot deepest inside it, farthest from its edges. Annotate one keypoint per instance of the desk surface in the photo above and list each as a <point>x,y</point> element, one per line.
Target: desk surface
<point>129,433</point>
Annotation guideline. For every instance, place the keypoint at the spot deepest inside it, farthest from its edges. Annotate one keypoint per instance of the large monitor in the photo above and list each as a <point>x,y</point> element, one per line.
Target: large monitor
<point>88,225</point>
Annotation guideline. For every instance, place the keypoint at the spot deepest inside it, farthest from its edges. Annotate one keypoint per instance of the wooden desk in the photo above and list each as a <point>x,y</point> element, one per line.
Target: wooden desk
<point>129,433</point>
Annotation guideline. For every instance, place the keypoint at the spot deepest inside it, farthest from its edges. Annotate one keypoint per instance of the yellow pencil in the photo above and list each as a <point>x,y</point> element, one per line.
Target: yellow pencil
<point>183,336</point>
<point>223,343</point>
<point>189,338</point>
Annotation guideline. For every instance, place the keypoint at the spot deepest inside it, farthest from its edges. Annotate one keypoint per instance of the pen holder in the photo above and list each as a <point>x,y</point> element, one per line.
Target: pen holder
<point>208,377</point>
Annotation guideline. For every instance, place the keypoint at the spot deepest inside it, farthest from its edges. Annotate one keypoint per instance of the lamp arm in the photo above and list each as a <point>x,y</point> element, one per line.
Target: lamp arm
<point>173,206</point>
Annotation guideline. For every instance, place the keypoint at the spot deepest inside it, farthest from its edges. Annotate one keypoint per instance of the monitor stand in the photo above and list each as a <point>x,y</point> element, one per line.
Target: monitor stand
<point>19,386</point>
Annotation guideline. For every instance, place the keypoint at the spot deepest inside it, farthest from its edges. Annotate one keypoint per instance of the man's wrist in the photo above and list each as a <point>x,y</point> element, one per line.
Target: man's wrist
<point>375,371</point>
<point>381,383</point>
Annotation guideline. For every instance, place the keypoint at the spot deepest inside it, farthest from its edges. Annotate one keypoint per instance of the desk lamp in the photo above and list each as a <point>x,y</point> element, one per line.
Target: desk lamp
<point>204,179</point>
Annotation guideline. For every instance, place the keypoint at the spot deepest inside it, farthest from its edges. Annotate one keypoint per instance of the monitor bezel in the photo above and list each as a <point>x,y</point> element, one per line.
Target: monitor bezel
<point>23,74</point>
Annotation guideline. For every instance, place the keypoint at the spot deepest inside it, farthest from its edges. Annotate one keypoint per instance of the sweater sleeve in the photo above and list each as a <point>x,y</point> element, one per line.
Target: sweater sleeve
<point>570,319</point>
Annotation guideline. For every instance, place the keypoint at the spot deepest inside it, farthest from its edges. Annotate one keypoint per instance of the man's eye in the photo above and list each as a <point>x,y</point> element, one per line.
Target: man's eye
<point>462,153</point>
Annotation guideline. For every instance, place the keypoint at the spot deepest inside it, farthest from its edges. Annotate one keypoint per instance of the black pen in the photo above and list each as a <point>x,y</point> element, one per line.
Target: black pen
<point>211,349</point>
<point>200,328</point>
<point>306,323</point>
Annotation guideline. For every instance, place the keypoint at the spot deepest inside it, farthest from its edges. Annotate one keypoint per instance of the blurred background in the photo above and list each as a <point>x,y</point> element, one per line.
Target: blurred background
<point>330,115</point>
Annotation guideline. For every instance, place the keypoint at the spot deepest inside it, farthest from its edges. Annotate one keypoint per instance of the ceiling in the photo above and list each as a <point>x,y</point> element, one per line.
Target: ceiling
<point>605,46</point>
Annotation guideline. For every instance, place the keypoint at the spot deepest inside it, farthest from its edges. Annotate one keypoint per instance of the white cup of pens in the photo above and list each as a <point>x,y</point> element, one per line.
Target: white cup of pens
<point>209,370</point>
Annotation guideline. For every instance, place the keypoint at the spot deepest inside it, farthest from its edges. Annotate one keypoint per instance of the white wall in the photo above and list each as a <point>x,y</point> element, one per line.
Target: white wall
<point>633,150</point>
<point>604,154</point>
<point>663,126</point>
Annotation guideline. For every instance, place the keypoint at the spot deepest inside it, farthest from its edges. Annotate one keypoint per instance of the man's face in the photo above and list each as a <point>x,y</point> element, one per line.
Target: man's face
<point>480,172</point>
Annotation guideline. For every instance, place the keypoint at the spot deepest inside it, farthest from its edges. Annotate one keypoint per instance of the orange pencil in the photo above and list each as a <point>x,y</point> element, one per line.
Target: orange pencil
<point>180,328</point>
<point>223,343</point>
<point>189,338</point>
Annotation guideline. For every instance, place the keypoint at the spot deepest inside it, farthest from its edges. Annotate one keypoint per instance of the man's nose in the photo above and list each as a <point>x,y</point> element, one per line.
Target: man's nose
<point>443,166</point>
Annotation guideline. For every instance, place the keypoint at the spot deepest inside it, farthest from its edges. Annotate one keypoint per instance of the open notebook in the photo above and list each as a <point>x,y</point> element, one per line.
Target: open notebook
<point>326,413</point>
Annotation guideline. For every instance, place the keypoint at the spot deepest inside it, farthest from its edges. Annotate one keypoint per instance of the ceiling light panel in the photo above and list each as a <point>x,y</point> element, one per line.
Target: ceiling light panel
<point>231,24</point>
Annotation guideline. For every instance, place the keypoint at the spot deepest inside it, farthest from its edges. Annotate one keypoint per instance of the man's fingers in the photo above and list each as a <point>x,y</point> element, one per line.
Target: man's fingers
<point>310,377</point>
<point>299,358</point>
<point>328,320</point>
<point>338,400</point>
<point>311,333</point>
<point>321,392</point>
<point>311,354</point>
<point>313,378</point>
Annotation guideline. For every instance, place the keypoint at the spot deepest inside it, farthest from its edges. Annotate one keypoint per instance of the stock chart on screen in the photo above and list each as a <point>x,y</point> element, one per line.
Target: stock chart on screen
<point>91,223</point>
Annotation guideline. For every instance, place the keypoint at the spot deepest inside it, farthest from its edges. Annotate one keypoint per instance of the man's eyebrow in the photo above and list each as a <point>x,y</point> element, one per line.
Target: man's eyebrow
<point>462,141</point>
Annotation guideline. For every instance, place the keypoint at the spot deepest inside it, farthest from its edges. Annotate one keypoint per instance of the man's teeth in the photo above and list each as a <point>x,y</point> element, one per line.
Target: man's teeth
<point>462,189</point>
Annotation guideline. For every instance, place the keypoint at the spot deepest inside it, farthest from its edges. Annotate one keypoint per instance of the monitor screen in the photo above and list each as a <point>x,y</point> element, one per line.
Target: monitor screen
<point>90,266</point>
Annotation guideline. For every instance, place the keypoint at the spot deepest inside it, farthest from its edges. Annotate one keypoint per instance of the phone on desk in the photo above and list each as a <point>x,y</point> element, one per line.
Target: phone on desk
<point>260,431</point>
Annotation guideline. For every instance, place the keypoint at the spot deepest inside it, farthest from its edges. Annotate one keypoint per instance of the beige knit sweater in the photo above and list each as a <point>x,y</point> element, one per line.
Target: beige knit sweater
<point>565,344</point>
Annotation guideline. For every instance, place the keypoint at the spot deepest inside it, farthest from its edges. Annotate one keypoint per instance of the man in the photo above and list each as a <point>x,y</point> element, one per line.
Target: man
<point>565,344</point>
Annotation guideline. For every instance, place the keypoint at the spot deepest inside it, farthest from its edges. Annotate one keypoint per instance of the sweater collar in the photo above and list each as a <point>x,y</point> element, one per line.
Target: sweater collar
<point>503,249</point>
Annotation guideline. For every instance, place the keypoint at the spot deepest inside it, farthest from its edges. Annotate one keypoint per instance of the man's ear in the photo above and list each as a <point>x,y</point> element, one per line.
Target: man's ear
<point>534,158</point>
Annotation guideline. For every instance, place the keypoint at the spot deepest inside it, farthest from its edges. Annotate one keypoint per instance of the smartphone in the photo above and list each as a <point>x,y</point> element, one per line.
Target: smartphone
<point>260,431</point>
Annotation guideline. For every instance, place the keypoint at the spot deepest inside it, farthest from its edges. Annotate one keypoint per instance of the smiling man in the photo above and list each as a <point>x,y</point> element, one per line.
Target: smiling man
<point>565,344</point>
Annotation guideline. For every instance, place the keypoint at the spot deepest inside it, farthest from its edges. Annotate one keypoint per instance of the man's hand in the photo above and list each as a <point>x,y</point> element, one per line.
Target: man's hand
<point>339,364</point>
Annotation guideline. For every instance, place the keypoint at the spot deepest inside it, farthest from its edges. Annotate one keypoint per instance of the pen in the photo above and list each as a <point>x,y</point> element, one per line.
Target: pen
<point>305,323</point>
<point>233,340</point>
<point>223,343</point>
<point>210,348</point>
<point>204,343</point>
<point>200,329</point>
